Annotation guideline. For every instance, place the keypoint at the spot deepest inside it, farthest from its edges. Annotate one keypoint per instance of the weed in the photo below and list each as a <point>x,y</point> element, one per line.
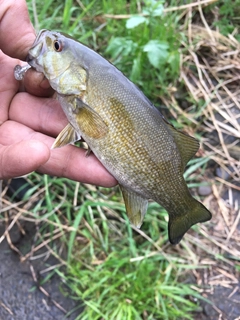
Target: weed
<point>228,20</point>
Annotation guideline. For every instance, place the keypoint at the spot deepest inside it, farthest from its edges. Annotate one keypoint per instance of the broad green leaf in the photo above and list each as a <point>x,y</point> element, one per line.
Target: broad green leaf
<point>121,46</point>
<point>154,8</point>
<point>158,11</point>
<point>135,21</point>
<point>136,69</point>
<point>157,52</point>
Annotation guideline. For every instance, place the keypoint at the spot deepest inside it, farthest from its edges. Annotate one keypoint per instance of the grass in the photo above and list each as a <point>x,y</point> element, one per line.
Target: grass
<point>121,289</point>
<point>113,270</point>
<point>228,18</point>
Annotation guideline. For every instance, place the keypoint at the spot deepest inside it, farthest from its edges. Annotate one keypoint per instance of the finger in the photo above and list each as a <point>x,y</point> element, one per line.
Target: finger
<point>35,83</point>
<point>16,31</point>
<point>40,114</point>
<point>8,85</point>
<point>21,158</point>
<point>70,161</point>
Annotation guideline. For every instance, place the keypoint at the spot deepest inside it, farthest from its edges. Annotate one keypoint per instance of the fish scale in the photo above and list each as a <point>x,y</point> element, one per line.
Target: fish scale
<point>145,153</point>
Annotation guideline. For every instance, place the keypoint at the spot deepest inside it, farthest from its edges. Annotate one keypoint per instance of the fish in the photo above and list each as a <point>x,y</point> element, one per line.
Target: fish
<point>121,126</point>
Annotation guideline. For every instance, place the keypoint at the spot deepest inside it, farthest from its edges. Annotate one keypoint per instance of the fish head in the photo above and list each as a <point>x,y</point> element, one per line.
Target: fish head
<point>53,55</point>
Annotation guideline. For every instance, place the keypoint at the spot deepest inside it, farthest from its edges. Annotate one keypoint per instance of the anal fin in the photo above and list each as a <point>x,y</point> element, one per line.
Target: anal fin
<point>136,206</point>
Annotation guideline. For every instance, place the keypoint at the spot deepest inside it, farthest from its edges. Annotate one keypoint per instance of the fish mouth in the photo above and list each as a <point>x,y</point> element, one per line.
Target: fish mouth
<point>33,57</point>
<point>36,52</point>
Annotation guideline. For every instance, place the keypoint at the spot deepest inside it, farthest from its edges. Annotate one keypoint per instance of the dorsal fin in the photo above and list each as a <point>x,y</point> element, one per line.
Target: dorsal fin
<point>187,145</point>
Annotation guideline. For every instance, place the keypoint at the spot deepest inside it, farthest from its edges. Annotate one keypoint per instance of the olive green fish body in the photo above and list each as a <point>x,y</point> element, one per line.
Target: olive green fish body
<point>145,154</point>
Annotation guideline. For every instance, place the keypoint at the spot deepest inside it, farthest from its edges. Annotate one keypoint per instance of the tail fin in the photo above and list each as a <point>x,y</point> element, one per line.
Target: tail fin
<point>180,223</point>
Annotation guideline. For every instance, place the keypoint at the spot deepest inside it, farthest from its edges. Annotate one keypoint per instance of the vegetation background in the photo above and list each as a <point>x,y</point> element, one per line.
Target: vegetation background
<point>184,56</point>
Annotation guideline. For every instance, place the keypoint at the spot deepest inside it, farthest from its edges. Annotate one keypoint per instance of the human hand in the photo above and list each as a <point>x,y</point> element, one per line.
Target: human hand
<point>28,124</point>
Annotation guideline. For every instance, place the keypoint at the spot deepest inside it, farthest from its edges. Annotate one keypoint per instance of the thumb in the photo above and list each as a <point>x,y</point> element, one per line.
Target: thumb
<point>16,31</point>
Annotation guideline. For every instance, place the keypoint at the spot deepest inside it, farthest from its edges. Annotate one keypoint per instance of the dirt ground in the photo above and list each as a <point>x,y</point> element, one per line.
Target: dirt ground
<point>21,297</point>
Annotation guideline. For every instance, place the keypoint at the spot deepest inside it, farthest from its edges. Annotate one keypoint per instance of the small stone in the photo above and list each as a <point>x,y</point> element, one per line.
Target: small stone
<point>204,190</point>
<point>221,173</point>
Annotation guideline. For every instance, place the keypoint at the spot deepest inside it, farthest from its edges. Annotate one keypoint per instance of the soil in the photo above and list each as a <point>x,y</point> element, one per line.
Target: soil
<point>22,298</point>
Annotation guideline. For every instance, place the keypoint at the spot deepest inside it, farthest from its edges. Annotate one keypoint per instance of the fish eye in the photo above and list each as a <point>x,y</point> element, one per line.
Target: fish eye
<point>57,45</point>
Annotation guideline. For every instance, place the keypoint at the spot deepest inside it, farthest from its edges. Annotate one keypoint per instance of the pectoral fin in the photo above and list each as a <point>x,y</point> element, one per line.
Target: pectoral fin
<point>136,206</point>
<point>89,121</point>
<point>66,136</point>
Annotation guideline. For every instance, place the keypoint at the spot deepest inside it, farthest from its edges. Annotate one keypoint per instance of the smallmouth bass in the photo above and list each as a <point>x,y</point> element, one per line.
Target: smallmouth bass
<point>145,154</point>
